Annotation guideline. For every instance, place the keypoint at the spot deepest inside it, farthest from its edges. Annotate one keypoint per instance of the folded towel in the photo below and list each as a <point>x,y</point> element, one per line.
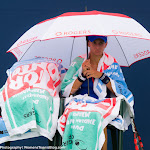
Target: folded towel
<point>30,98</point>
<point>84,119</point>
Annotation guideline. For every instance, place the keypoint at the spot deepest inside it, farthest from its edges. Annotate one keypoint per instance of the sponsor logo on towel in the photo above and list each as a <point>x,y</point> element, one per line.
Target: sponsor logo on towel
<point>3,131</point>
<point>37,75</point>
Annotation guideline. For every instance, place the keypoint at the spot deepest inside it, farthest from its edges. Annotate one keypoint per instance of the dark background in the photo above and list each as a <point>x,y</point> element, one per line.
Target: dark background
<point>17,16</point>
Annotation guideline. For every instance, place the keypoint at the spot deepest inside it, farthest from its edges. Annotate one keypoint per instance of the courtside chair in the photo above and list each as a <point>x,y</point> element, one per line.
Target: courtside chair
<point>116,135</point>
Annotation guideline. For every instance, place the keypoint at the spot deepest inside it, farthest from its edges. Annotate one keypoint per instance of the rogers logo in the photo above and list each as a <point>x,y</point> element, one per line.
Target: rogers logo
<point>27,41</point>
<point>73,33</point>
<point>52,59</point>
<point>127,33</point>
<point>115,32</point>
<point>141,54</point>
<point>58,33</point>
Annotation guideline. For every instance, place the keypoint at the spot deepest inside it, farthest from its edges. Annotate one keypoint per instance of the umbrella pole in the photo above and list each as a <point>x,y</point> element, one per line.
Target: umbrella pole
<point>87,58</point>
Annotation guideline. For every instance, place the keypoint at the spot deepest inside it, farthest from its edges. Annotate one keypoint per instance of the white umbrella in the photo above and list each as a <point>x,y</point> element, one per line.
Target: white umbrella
<point>63,38</point>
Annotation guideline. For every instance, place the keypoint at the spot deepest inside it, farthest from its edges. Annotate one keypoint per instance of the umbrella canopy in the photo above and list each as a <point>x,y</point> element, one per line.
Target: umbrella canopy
<point>63,38</point>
